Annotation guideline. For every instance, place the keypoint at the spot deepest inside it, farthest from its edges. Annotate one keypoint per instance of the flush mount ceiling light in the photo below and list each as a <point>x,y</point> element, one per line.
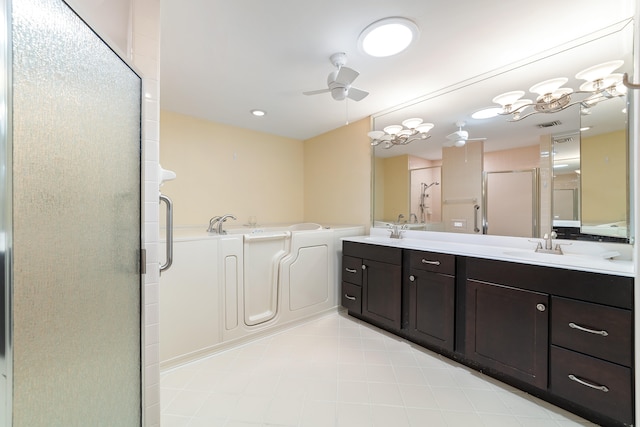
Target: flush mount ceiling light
<point>600,84</point>
<point>410,130</point>
<point>258,113</point>
<point>388,36</point>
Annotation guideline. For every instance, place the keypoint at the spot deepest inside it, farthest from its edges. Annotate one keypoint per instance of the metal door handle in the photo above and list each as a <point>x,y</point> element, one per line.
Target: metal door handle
<point>347,296</point>
<point>425,261</point>
<point>591,331</point>
<point>169,233</point>
<point>476,208</point>
<point>351,270</point>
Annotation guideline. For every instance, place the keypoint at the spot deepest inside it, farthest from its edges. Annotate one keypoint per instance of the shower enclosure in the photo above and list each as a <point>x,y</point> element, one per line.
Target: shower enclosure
<point>70,153</point>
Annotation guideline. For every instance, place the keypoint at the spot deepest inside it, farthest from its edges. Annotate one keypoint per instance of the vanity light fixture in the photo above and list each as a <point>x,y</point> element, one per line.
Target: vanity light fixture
<point>258,113</point>
<point>388,37</point>
<point>600,84</point>
<point>410,130</point>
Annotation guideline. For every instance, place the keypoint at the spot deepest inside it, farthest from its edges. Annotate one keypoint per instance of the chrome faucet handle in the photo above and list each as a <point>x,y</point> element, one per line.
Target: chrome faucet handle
<point>538,244</point>
<point>559,246</point>
<point>222,219</point>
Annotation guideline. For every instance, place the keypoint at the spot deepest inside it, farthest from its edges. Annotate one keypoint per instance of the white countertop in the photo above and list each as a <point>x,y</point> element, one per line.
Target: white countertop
<point>578,255</point>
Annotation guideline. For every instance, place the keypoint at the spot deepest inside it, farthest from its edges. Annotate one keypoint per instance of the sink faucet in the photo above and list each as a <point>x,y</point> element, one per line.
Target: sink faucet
<point>222,219</point>
<point>212,223</point>
<point>397,230</point>
<point>548,240</point>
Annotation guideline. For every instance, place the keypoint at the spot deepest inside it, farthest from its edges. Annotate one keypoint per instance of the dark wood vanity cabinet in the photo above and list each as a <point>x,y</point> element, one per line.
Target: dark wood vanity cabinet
<point>381,283</point>
<point>507,330</point>
<point>431,286</point>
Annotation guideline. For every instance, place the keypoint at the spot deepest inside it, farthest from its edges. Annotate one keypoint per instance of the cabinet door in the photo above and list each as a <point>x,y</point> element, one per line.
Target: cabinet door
<point>382,293</point>
<point>507,330</point>
<point>431,308</point>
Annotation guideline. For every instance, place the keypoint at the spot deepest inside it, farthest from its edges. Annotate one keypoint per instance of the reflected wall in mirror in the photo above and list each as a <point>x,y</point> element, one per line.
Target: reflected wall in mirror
<point>522,151</point>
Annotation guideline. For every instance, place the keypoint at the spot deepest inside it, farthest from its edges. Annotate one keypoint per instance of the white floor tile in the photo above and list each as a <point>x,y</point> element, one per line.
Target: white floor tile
<point>338,371</point>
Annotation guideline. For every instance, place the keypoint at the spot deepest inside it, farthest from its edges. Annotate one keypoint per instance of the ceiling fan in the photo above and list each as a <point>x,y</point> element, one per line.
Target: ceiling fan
<point>339,81</point>
<point>460,137</point>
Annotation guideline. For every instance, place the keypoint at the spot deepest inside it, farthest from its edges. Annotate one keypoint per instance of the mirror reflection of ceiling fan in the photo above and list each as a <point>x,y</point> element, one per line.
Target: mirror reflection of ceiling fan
<point>460,137</point>
<point>339,81</point>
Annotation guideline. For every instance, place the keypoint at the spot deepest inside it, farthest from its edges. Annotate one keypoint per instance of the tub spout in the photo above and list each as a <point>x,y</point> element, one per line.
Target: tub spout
<point>222,219</point>
<point>212,224</point>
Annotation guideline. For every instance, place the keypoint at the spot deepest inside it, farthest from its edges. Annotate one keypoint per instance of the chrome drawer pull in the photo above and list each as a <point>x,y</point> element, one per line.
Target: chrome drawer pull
<point>347,296</point>
<point>587,384</point>
<point>424,261</point>
<point>351,270</point>
<point>591,331</point>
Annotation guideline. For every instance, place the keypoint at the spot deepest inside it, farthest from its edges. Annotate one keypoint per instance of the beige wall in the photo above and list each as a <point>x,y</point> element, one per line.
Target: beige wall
<point>603,165</point>
<point>513,160</point>
<point>223,169</point>
<point>337,176</point>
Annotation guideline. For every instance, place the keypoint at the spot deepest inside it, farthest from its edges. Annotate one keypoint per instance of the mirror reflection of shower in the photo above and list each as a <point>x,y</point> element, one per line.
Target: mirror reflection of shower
<point>425,197</point>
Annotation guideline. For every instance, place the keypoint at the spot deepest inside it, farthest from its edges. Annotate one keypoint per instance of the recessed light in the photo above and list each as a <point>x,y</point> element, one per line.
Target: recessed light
<point>388,36</point>
<point>258,113</point>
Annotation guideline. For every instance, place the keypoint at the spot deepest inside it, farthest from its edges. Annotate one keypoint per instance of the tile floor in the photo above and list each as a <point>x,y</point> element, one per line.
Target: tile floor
<point>338,371</point>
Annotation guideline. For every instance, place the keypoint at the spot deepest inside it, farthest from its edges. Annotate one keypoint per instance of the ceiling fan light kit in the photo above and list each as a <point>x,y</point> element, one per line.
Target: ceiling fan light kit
<point>600,83</point>
<point>340,80</point>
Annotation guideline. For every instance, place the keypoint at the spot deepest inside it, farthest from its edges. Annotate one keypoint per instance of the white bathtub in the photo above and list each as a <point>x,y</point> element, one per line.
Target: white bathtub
<point>223,289</point>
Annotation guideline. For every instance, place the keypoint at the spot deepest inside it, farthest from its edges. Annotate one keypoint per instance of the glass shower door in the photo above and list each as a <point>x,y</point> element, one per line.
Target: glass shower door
<point>75,342</point>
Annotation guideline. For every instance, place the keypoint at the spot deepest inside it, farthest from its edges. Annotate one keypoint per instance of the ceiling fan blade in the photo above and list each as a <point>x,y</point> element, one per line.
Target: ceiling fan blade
<point>346,76</point>
<point>476,139</point>
<point>316,92</point>
<point>356,94</point>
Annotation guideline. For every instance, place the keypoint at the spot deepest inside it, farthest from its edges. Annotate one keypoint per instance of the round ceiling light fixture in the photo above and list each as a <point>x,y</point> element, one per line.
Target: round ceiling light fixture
<point>388,36</point>
<point>258,113</point>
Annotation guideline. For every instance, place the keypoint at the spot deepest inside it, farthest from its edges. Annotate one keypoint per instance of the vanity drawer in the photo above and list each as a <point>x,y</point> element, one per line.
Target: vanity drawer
<point>593,383</point>
<point>352,270</point>
<point>434,262</point>
<point>594,329</point>
<point>352,297</point>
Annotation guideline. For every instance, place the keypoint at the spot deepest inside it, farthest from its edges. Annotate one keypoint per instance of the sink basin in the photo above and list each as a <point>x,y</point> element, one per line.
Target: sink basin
<point>553,258</point>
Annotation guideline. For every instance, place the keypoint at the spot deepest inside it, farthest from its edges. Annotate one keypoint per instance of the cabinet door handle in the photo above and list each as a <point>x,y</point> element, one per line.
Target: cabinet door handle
<point>351,270</point>
<point>347,296</point>
<point>602,388</point>
<point>426,261</point>
<point>412,278</point>
<point>591,331</point>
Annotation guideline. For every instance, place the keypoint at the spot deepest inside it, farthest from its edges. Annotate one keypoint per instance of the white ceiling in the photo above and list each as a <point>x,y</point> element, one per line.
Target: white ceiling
<point>220,59</point>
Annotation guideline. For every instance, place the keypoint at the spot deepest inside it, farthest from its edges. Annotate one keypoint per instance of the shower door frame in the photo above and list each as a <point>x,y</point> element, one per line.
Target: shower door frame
<point>6,216</point>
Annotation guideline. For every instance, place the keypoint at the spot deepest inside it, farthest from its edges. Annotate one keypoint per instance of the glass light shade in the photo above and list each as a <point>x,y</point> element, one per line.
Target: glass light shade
<point>548,86</point>
<point>486,113</point>
<point>412,123</point>
<point>388,37</point>
<point>425,127</point>
<point>603,83</point>
<point>376,134</point>
<point>599,71</point>
<point>393,129</point>
<point>508,98</point>
<point>405,132</point>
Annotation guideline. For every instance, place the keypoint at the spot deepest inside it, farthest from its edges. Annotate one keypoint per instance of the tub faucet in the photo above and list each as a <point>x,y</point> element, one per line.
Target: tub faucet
<point>212,223</point>
<point>400,217</point>
<point>222,219</point>
<point>413,218</point>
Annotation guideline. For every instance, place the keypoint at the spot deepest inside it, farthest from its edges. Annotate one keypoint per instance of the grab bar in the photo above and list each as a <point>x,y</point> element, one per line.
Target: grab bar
<point>476,208</point>
<point>169,228</point>
<point>267,236</point>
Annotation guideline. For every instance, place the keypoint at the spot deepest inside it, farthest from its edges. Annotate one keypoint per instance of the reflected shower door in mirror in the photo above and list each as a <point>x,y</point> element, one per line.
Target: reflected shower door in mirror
<point>514,142</point>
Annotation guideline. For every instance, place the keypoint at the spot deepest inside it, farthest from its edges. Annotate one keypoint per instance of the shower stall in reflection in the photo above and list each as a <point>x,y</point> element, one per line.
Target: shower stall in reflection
<point>426,195</point>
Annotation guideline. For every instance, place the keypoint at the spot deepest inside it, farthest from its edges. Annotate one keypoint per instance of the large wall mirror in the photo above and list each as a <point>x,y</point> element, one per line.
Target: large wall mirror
<point>520,174</point>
